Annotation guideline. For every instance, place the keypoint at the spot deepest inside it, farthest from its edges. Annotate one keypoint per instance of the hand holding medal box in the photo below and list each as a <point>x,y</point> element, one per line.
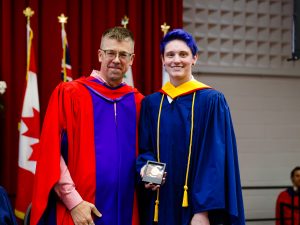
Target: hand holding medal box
<point>154,172</point>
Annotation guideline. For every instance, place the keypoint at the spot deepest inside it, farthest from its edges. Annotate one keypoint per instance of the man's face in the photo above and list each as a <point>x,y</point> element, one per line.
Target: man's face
<point>115,58</point>
<point>296,178</point>
<point>178,60</point>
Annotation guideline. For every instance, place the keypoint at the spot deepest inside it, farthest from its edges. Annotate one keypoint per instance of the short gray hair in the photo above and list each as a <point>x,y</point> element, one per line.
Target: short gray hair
<point>118,33</point>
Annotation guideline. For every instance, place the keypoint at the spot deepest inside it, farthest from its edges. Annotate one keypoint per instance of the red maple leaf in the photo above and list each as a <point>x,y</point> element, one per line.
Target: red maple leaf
<point>34,154</point>
<point>33,125</point>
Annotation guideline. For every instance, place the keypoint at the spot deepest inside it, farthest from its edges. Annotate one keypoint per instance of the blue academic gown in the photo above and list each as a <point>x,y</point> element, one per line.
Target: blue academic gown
<point>7,216</point>
<point>214,179</point>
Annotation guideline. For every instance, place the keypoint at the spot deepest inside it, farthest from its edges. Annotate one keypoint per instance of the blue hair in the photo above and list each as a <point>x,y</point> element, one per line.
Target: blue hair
<point>179,34</point>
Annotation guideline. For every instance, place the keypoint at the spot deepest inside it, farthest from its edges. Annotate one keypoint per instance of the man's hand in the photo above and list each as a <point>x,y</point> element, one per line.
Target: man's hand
<point>152,186</point>
<point>200,219</point>
<point>82,213</point>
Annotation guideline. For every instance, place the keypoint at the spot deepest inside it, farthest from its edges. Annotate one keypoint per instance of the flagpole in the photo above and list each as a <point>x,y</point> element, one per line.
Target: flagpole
<point>28,12</point>
<point>165,28</point>
<point>62,19</point>
<point>29,129</point>
<point>128,78</point>
<point>125,21</point>
<point>165,77</point>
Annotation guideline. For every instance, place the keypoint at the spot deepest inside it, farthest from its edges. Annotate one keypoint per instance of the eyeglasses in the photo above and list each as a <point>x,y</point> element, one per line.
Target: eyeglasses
<point>112,54</point>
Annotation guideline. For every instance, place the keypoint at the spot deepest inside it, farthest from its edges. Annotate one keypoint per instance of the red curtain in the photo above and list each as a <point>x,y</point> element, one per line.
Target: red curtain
<point>87,20</point>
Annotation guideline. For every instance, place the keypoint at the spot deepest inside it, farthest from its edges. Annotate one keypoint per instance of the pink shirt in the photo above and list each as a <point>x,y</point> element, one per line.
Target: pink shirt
<point>65,187</point>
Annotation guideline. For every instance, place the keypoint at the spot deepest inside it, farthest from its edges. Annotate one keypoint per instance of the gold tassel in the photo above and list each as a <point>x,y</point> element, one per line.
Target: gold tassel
<point>156,211</point>
<point>185,202</point>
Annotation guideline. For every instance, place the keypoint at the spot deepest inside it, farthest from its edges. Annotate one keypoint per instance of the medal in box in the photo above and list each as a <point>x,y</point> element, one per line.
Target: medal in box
<point>154,172</point>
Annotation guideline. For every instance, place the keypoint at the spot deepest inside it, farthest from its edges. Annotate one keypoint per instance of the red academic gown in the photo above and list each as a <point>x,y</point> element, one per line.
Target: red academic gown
<point>72,109</point>
<point>287,205</point>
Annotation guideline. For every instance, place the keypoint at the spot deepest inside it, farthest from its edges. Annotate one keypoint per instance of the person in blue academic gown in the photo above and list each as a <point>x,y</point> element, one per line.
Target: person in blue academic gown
<point>188,126</point>
<point>7,216</point>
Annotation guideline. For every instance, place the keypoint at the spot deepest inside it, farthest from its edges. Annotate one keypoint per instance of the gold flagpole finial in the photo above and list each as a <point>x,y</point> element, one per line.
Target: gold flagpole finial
<point>165,28</point>
<point>125,21</point>
<point>62,19</point>
<point>28,12</point>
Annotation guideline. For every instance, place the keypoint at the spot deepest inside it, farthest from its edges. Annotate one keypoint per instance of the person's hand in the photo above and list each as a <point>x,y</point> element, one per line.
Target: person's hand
<point>152,186</point>
<point>200,219</point>
<point>82,213</point>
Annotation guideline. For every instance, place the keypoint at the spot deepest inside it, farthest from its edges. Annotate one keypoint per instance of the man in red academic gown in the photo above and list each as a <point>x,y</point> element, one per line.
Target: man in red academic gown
<point>287,205</point>
<point>86,169</point>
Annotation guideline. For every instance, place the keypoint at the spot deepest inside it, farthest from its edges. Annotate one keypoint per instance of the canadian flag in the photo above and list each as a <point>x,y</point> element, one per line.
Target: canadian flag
<point>165,76</point>
<point>128,79</point>
<point>29,129</point>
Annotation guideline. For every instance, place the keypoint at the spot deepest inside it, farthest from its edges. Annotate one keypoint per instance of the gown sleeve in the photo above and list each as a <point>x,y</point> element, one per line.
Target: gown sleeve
<point>278,209</point>
<point>145,137</point>
<point>217,179</point>
<point>48,164</point>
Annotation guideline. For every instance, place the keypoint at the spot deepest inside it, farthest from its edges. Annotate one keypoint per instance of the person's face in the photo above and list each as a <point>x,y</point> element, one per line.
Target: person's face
<point>178,60</point>
<point>115,58</point>
<point>296,178</point>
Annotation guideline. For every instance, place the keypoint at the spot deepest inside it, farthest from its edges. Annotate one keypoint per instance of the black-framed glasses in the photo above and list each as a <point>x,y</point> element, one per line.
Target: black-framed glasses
<point>112,54</point>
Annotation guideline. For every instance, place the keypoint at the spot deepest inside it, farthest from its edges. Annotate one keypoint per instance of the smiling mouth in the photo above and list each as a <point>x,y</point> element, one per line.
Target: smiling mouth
<point>114,68</point>
<point>177,68</point>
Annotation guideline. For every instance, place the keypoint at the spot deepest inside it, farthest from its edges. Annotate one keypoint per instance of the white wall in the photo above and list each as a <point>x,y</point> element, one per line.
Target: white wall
<point>266,115</point>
